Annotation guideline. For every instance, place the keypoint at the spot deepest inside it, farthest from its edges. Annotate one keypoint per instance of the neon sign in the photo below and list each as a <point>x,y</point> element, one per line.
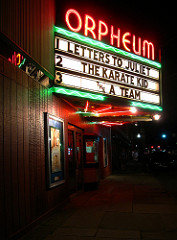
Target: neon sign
<point>28,67</point>
<point>16,59</point>
<point>99,30</point>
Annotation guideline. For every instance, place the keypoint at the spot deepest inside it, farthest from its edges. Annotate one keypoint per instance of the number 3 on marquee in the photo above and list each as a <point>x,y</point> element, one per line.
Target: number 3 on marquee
<point>58,78</point>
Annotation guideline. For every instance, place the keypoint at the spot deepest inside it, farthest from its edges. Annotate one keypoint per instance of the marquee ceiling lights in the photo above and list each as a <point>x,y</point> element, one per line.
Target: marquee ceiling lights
<point>102,109</point>
<point>133,110</point>
<point>112,113</point>
<point>87,113</point>
<point>156,117</point>
<point>104,46</point>
<point>116,113</point>
<point>130,119</point>
<point>109,124</point>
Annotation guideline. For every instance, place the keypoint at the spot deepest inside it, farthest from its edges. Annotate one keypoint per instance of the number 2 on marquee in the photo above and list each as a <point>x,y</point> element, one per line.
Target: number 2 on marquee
<point>59,61</point>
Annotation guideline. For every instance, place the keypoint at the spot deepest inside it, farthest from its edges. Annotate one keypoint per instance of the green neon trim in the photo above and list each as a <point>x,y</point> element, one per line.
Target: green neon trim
<point>87,113</point>
<point>77,93</point>
<point>104,46</point>
<point>22,63</point>
<point>147,106</point>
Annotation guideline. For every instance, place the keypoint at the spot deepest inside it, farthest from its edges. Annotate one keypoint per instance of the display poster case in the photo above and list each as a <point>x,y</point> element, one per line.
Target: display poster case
<point>54,141</point>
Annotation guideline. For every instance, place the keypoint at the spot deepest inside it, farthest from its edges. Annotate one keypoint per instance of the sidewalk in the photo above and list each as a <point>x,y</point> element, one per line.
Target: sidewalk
<point>125,207</point>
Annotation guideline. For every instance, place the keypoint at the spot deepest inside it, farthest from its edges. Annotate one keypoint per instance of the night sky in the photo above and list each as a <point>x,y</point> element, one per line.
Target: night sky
<point>152,20</point>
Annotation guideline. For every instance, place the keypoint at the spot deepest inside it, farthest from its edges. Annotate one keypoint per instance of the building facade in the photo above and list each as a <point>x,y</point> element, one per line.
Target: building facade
<point>57,109</point>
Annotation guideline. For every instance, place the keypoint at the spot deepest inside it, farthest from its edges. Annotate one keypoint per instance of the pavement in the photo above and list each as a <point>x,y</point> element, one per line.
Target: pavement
<point>124,207</point>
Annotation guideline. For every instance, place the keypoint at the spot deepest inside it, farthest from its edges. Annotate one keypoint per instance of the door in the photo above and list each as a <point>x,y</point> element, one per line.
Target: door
<point>79,153</point>
<point>75,158</point>
<point>71,162</point>
<point>91,159</point>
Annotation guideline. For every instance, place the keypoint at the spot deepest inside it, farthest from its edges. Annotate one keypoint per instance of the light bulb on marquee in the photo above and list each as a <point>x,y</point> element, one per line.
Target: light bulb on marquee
<point>156,117</point>
<point>133,109</point>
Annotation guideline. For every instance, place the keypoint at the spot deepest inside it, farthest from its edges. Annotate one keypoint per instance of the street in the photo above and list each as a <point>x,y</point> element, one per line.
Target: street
<point>168,180</point>
<point>125,206</point>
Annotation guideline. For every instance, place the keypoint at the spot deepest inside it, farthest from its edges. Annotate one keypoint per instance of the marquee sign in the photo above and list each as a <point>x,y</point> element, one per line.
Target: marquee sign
<point>99,30</point>
<point>83,67</point>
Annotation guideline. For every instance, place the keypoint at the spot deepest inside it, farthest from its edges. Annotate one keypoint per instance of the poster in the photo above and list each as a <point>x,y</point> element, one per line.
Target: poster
<point>54,150</point>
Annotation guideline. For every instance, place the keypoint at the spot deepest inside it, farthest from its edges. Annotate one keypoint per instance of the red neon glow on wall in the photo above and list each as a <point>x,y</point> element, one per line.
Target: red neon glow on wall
<point>99,29</point>
<point>79,23</point>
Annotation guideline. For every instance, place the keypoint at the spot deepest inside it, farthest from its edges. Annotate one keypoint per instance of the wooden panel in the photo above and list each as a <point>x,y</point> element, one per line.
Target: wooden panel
<point>2,187</point>
<point>20,142</point>
<point>38,151</point>
<point>7,155</point>
<point>26,146</point>
<point>32,147</point>
<point>1,65</point>
<point>22,162</point>
<point>42,147</point>
<point>30,25</point>
<point>14,156</point>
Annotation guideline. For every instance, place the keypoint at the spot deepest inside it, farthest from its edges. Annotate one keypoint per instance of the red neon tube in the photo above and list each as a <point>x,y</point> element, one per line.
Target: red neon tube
<point>90,28</point>
<point>67,18</point>
<point>101,32</point>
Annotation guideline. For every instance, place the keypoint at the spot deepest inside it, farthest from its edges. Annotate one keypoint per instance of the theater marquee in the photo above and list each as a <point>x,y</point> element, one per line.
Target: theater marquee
<point>83,67</point>
<point>87,63</point>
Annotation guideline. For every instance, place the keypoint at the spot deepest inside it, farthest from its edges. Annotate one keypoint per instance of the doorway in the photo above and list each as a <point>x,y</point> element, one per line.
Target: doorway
<point>75,158</point>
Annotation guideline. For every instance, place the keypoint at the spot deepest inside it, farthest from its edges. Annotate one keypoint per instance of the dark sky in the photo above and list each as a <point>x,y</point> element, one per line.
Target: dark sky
<point>155,21</point>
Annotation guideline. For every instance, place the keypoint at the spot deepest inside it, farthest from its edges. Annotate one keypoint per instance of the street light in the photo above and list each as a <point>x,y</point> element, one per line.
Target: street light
<point>138,135</point>
<point>164,135</point>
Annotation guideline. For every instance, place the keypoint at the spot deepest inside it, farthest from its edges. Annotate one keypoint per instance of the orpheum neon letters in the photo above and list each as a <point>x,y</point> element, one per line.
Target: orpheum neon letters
<point>99,29</point>
<point>101,33</point>
<point>67,17</point>
<point>126,41</point>
<point>89,26</point>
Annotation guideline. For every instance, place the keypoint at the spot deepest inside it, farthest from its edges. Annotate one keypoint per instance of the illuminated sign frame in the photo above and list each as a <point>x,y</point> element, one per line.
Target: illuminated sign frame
<point>72,76</point>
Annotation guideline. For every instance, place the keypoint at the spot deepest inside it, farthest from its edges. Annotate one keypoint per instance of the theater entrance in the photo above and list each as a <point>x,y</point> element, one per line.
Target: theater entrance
<point>75,158</point>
